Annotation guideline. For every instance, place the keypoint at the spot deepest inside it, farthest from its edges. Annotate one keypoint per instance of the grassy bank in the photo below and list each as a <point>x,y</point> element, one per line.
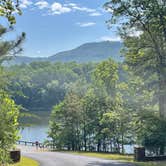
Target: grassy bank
<point>126,158</point>
<point>26,162</point>
<point>106,156</point>
<point>163,163</point>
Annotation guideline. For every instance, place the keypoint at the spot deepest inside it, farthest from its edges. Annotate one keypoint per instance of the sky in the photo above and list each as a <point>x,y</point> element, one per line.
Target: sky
<point>52,26</point>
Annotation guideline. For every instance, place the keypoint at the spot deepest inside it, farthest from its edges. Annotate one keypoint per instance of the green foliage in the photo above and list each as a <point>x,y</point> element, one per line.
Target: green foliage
<point>99,110</point>
<point>106,74</point>
<point>95,104</point>
<point>8,8</point>
<point>9,47</point>
<point>41,85</point>
<point>9,113</point>
<point>151,132</point>
<point>143,31</point>
<point>115,109</point>
<point>65,123</point>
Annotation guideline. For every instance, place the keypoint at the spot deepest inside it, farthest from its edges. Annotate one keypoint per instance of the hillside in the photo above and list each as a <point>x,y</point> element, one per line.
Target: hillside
<point>89,52</point>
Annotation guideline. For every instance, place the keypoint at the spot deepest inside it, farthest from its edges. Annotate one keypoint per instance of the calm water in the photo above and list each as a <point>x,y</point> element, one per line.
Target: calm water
<point>38,130</point>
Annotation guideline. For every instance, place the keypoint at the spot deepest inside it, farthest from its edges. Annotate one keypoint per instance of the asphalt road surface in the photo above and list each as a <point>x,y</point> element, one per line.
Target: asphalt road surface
<point>65,159</point>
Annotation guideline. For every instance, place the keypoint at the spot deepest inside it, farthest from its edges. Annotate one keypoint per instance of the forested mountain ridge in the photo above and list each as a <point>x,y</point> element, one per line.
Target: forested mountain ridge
<point>88,52</point>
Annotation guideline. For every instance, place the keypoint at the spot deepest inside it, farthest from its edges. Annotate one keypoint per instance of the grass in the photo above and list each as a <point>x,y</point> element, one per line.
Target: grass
<point>26,162</point>
<point>125,158</point>
<point>108,156</point>
<point>161,163</point>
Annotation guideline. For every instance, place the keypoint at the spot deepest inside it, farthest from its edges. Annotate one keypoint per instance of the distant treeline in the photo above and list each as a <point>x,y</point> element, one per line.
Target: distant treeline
<point>41,85</point>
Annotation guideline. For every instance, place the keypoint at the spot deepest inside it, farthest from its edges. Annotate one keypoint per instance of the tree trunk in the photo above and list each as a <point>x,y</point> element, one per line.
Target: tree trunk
<point>99,146</point>
<point>118,145</point>
<point>123,143</point>
<point>162,96</point>
<point>85,146</point>
<point>85,139</point>
<point>111,146</point>
<point>162,150</point>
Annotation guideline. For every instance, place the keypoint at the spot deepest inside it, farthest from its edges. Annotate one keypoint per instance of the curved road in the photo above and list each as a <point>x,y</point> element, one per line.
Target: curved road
<point>65,159</point>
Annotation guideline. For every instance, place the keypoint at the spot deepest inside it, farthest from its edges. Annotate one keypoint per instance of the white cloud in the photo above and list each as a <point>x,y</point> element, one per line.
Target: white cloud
<point>42,4</point>
<point>95,14</point>
<point>110,38</point>
<point>84,9</point>
<point>58,8</point>
<point>86,24</point>
<point>70,5</point>
<point>25,3</point>
<point>76,7</point>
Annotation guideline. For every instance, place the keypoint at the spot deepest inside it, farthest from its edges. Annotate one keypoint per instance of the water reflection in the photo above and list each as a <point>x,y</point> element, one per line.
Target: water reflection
<point>34,133</point>
<point>37,128</point>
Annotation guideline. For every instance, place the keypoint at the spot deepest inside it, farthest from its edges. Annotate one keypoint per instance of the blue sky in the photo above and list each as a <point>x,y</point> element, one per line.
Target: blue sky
<point>57,25</point>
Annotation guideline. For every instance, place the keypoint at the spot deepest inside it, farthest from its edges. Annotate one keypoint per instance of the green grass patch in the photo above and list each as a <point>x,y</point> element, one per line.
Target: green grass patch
<point>125,158</point>
<point>26,162</point>
<point>128,158</point>
<point>162,163</point>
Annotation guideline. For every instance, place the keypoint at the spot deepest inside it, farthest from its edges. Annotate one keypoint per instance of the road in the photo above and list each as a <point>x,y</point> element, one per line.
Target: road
<point>65,159</point>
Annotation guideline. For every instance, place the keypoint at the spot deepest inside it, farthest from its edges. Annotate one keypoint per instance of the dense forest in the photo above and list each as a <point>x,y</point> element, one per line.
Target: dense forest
<point>41,85</point>
<point>95,106</point>
<point>115,109</point>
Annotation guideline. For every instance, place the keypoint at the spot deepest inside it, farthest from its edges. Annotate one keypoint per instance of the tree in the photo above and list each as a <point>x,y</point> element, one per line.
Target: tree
<point>115,119</point>
<point>41,85</point>
<point>101,108</point>
<point>143,28</point>
<point>9,48</point>
<point>9,113</point>
<point>106,74</point>
<point>65,123</point>
<point>151,132</point>
<point>95,104</point>
<point>116,126</point>
<point>8,8</point>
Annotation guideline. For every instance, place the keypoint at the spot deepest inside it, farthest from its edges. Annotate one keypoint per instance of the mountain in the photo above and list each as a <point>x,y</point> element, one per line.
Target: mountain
<point>89,52</point>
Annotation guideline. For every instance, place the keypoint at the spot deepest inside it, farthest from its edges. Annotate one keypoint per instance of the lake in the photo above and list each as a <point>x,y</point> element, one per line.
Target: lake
<point>37,131</point>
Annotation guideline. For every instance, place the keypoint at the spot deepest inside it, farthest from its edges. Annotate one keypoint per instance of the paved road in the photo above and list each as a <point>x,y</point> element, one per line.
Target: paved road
<point>64,159</point>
